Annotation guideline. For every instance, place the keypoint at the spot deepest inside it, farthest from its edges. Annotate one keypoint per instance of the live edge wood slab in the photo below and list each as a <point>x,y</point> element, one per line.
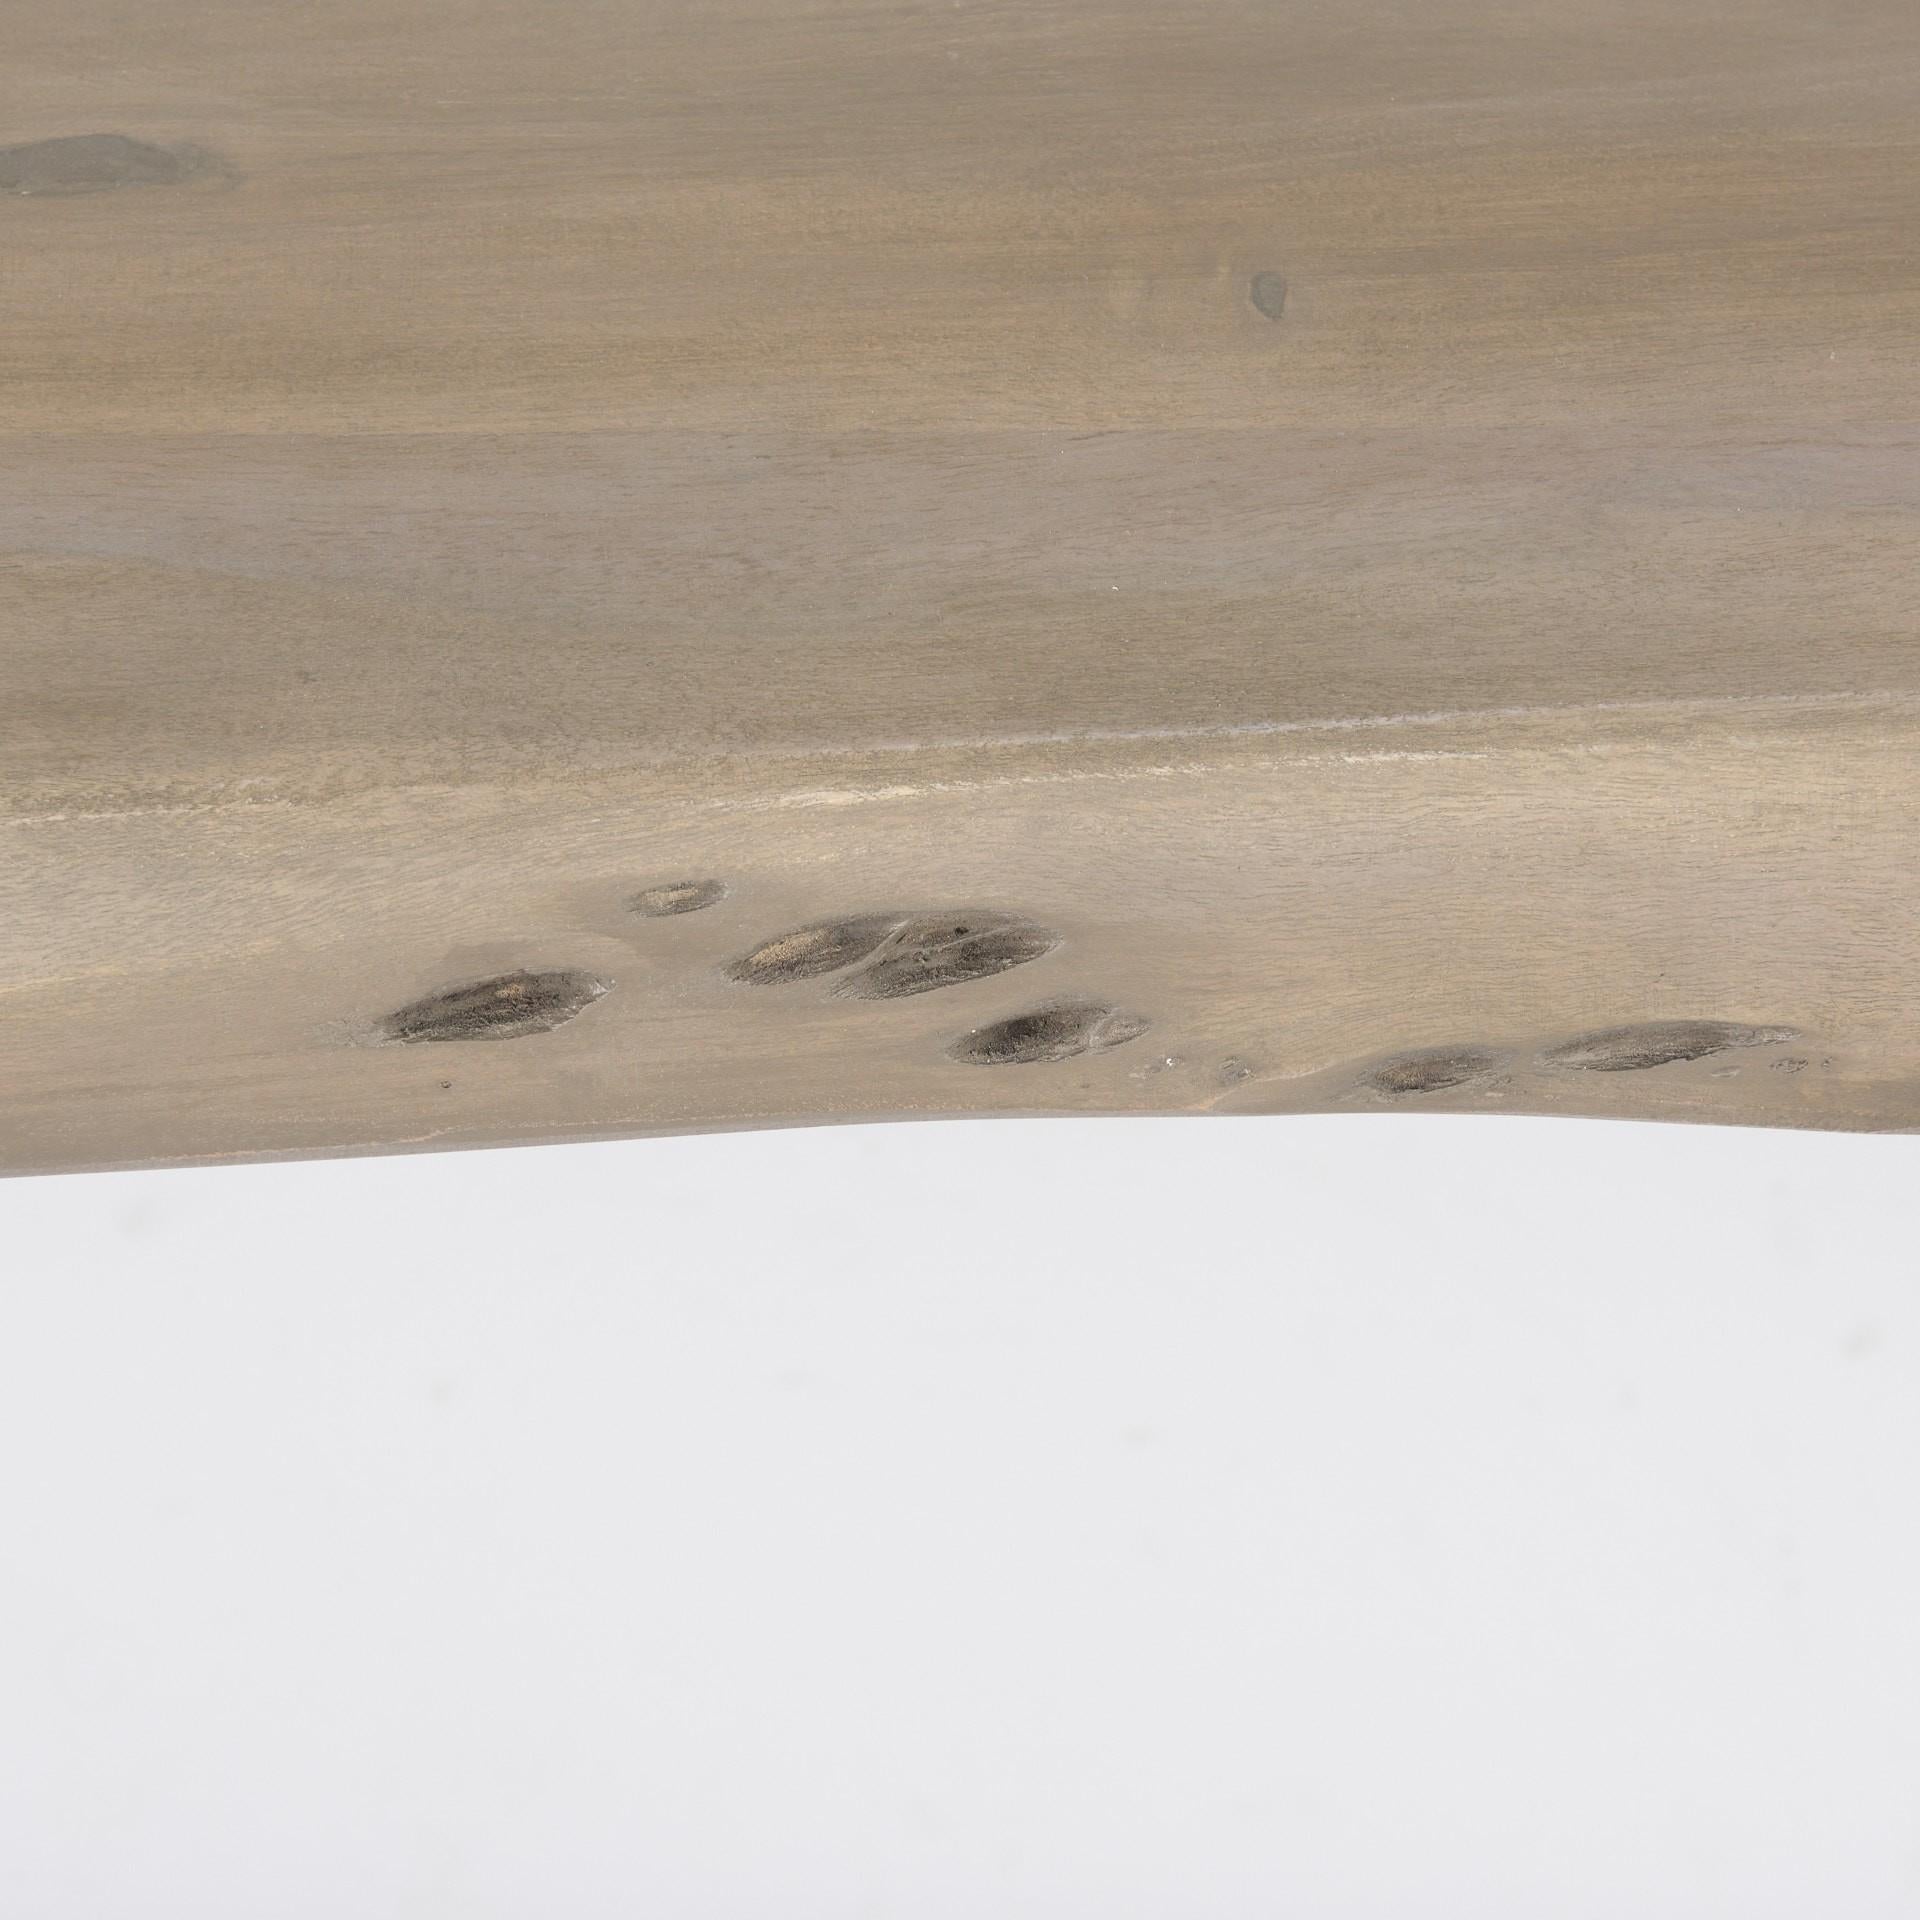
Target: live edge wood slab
<point>606,566</point>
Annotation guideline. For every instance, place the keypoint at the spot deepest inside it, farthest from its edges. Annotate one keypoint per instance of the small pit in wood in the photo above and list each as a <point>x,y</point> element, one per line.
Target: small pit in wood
<point>1658,1043</point>
<point>77,163</point>
<point>1268,292</point>
<point>887,956</point>
<point>809,952</point>
<point>676,896</point>
<point>1062,1031</point>
<point>947,950</point>
<point>507,1007</point>
<point>1432,1070</point>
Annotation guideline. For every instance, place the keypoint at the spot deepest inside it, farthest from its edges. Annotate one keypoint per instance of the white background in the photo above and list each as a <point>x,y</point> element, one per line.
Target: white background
<point>1352,1517</point>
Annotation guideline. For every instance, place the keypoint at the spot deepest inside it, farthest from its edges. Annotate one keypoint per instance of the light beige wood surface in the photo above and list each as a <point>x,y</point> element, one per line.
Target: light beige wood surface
<point>1354,548</point>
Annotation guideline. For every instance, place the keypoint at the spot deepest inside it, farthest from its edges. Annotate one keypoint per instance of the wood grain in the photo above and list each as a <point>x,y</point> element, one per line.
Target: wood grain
<point>1378,539</point>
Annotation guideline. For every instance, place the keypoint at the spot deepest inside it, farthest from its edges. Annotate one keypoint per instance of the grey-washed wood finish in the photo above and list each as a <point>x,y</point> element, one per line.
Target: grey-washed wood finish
<point>1367,554</point>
